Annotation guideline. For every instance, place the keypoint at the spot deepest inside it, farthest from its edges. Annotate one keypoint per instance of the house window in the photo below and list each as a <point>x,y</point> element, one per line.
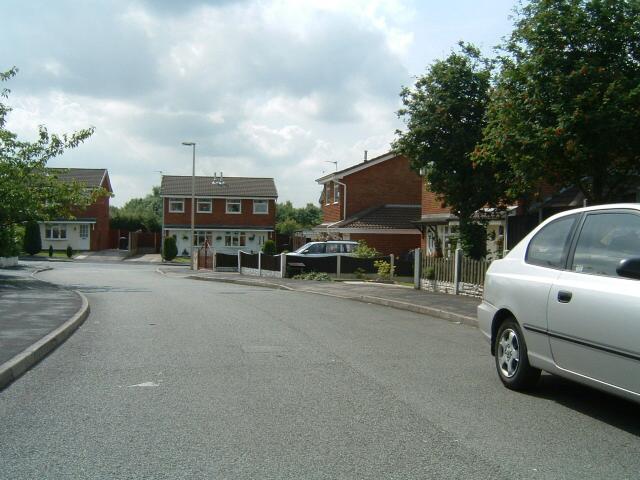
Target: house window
<point>327,194</point>
<point>235,239</point>
<point>176,205</point>
<point>203,205</point>
<point>234,206</point>
<point>84,231</point>
<point>201,236</point>
<point>261,207</point>
<point>55,231</point>
<point>336,193</point>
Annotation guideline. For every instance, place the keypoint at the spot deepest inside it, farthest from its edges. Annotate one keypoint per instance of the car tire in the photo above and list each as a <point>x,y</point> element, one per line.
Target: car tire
<point>512,361</point>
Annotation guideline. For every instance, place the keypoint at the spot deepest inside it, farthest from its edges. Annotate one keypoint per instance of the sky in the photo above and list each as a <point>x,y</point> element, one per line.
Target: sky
<point>276,89</point>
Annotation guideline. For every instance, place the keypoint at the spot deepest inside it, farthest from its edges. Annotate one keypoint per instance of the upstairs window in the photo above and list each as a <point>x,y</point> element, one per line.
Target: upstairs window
<point>336,193</point>
<point>327,194</point>
<point>234,206</point>
<point>204,205</point>
<point>176,205</point>
<point>261,207</point>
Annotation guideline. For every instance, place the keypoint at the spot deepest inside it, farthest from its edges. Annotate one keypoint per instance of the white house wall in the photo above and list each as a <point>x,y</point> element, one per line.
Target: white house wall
<point>255,245</point>
<point>73,238</point>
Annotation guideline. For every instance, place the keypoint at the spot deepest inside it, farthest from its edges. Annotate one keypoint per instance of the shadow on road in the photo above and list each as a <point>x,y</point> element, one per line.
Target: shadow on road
<point>108,289</point>
<point>607,408</point>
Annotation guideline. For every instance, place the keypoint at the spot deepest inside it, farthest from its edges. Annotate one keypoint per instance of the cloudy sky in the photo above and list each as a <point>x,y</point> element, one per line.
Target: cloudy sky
<point>266,88</point>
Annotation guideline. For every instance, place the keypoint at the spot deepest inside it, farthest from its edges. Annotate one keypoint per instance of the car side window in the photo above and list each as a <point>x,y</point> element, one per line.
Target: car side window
<point>549,246</point>
<point>605,239</point>
<point>317,248</point>
<point>333,248</point>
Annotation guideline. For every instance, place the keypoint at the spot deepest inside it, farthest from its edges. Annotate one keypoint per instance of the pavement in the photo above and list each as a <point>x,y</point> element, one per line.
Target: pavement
<point>35,318</point>
<point>454,308</point>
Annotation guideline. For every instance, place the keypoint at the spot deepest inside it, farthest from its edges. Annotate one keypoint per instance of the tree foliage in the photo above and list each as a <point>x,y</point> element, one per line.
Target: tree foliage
<point>444,115</point>
<point>139,213</point>
<point>566,108</point>
<point>32,239</point>
<point>28,189</point>
<point>169,249</point>
<point>269,247</point>
<point>365,251</point>
<point>290,219</point>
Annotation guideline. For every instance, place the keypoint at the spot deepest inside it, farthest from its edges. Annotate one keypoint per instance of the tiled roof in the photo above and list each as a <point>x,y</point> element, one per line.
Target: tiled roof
<point>91,177</point>
<point>346,171</point>
<point>385,217</point>
<point>241,187</point>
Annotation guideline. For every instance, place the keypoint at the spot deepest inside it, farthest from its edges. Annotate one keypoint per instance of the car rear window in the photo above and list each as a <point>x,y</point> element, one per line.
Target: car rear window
<point>549,247</point>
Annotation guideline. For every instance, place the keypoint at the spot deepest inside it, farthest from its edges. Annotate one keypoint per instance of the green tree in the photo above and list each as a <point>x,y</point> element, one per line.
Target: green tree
<point>444,115</point>
<point>32,240</point>
<point>28,189</point>
<point>290,219</point>
<point>288,227</point>
<point>139,213</point>
<point>365,251</point>
<point>269,247</point>
<point>566,107</point>
<point>169,249</point>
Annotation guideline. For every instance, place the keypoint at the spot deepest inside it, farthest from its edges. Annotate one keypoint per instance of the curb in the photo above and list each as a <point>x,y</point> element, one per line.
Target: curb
<point>397,304</point>
<point>13,369</point>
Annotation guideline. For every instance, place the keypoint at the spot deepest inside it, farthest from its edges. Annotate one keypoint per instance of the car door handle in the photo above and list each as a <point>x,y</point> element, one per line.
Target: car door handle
<point>564,297</point>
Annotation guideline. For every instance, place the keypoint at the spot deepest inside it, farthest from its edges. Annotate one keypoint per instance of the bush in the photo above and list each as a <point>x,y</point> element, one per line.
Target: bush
<point>269,247</point>
<point>473,240</point>
<point>50,250</point>
<point>430,274</point>
<point>69,251</point>
<point>9,247</point>
<point>365,251</point>
<point>32,241</point>
<point>359,273</point>
<point>384,269</point>
<point>170,249</point>
<point>319,276</point>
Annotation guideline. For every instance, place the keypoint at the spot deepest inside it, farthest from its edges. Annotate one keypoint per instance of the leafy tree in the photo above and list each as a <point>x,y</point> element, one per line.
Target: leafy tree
<point>365,251</point>
<point>290,219</point>
<point>139,213</point>
<point>32,239</point>
<point>169,249</point>
<point>288,226</point>
<point>566,108</point>
<point>269,247</point>
<point>28,189</point>
<point>445,116</point>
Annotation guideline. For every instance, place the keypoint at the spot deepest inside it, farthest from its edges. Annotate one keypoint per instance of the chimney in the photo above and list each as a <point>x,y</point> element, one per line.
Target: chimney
<point>365,156</point>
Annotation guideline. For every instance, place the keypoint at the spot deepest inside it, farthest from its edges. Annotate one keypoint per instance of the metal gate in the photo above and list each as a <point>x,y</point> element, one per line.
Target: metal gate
<point>205,257</point>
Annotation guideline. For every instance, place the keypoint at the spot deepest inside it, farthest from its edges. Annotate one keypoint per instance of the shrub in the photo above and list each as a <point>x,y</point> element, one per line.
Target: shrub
<point>69,251</point>
<point>384,269</point>
<point>319,276</point>
<point>32,241</point>
<point>50,250</point>
<point>269,247</point>
<point>430,274</point>
<point>170,249</point>
<point>359,273</point>
<point>365,251</point>
<point>9,247</point>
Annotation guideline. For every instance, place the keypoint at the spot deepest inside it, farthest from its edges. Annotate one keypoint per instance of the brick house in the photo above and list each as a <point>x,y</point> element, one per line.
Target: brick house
<point>89,230</point>
<point>238,215</point>
<point>376,201</point>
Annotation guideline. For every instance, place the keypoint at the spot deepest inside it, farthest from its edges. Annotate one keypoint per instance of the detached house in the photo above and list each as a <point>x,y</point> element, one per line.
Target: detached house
<point>240,214</point>
<point>89,230</point>
<point>377,201</point>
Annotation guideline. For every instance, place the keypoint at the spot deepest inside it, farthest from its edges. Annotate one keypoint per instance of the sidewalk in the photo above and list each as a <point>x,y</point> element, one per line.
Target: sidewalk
<point>35,317</point>
<point>455,308</point>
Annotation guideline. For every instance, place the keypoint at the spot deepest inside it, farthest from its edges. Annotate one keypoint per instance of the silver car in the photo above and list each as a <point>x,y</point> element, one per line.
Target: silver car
<point>566,300</point>
<point>326,249</point>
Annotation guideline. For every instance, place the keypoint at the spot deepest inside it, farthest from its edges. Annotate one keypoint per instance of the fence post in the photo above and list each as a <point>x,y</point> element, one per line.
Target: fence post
<point>456,271</point>
<point>239,262</point>
<point>417,263</point>
<point>283,265</point>
<point>392,262</point>
<point>260,264</point>
<point>213,261</point>
<point>338,265</point>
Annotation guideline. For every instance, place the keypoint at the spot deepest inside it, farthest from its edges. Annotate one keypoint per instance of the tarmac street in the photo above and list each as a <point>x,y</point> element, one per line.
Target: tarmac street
<point>171,377</point>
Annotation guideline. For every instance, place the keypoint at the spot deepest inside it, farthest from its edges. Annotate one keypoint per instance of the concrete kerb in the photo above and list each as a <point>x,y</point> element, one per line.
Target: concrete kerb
<point>13,369</point>
<point>411,307</point>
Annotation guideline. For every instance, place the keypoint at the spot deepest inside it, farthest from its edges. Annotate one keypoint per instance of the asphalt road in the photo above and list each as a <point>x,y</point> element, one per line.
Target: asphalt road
<point>176,378</point>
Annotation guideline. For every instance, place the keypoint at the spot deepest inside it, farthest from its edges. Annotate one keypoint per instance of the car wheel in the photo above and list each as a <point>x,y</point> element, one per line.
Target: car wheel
<point>512,361</point>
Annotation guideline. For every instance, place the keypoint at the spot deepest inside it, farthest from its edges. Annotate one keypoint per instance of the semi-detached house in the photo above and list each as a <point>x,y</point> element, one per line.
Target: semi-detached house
<point>240,214</point>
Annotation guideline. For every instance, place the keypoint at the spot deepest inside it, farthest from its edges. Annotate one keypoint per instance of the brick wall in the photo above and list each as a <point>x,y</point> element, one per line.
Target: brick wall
<point>100,211</point>
<point>390,243</point>
<point>333,211</point>
<point>219,215</point>
<point>430,202</point>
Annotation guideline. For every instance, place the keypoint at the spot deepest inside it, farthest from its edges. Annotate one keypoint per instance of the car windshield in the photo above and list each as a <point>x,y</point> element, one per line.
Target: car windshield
<point>303,248</point>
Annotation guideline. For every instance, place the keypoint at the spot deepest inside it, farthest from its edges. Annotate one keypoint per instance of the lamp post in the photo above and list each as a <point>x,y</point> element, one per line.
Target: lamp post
<point>193,198</point>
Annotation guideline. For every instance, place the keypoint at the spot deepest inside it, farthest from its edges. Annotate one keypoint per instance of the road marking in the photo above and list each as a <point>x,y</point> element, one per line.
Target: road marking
<point>145,384</point>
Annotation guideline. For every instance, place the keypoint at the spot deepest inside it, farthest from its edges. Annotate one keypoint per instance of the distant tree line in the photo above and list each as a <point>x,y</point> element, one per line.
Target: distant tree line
<point>290,219</point>
<point>139,214</point>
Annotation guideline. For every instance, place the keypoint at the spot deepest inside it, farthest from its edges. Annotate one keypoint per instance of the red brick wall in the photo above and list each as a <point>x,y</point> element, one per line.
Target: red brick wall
<point>219,215</point>
<point>333,211</point>
<point>390,243</point>
<point>100,211</point>
<point>430,202</point>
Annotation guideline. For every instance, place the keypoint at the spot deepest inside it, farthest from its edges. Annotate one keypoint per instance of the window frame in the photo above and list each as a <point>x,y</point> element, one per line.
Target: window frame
<point>233,201</point>
<point>59,227</point>
<point>327,196</point>
<point>80,228</point>
<point>176,200</point>
<point>336,193</point>
<point>208,201</point>
<point>261,202</point>
<point>235,236</point>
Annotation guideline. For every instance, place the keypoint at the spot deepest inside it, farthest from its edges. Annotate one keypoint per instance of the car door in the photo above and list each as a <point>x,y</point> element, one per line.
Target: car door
<point>593,314</point>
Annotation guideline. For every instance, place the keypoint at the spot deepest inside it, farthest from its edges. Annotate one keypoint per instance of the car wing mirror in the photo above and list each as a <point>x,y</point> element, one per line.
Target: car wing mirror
<point>629,268</point>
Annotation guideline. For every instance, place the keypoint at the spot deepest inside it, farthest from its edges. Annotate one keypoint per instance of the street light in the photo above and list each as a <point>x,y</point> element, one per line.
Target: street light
<point>193,199</point>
